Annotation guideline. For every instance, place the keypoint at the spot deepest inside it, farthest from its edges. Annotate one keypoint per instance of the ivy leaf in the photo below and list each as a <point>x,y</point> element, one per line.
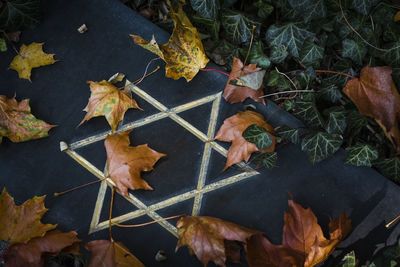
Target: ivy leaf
<point>392,56</point>
<point>309,9</point>
<point>355,122</point>
<point>289,134</point>
<point>205,25</point>
<point>3,45</point>
<point>353,50</point>
<point>267,159</point>
<point>329,92</point>
<point>206,8</point>
<point>257,56</point>
<point>264,9</point>
<point>257,135</point>
<point>321,145</point>
<point>16,15</point>
<point>311,53</point>
<point>336,120</point>
<point>337,79</point>
<point>390,168</point>
<point>361,155</point>
<point>278,53</point>
<point>278,80</point>
<point>289,34</point>
<point>306,110</point>
<point>253,80</point>
<point>349,260</point>
<point>363,6</point>
<point>238,26</point>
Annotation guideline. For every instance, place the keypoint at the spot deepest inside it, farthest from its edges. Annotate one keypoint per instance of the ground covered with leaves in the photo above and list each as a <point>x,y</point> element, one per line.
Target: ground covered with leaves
<point>310,50</point>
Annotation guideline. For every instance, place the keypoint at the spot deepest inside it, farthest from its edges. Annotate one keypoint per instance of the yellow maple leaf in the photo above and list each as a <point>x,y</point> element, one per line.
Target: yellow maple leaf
<point>29,57</point>
<point>184,52</point>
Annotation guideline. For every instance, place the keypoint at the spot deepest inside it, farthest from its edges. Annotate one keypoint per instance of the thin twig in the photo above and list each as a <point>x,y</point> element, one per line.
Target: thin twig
<point>77,187</point>
<point>359,35</point>
<point>335,72</point>
<point>111,208</point>
<point>288,92</point>
<point>148,223</point>
<point>136,82</point>
<point>287,77</point>
<point>251,43</point>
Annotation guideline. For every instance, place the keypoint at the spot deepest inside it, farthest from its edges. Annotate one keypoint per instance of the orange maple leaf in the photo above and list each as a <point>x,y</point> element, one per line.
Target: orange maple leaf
<point>125,163</point>
<point>231,131</point>
<point>303,242</point>
<point>234,93</point>
<point>108,101</point>
<point>207,237</point>
<point>111,254</point>
<point>376,96</point>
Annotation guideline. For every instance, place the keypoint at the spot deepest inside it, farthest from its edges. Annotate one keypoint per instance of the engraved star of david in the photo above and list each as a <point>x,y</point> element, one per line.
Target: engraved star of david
<point>197,193</point>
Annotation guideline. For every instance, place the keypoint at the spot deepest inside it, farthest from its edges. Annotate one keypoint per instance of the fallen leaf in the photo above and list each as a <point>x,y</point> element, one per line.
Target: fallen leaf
<point>29,57</point>
<point>233,93</point>
<point>17,123</point>
<point>232,130</point>
<point>125,163</point>
<point>34,251</point>
<point>253,80</point>
<point>184,52</point>
<point>111,254</point>
<point>19,224</point>
<point>206,236</point>
<point>397,16</point>
<point>108,101</point>
<point>376,96</point>
<point>303,242</point>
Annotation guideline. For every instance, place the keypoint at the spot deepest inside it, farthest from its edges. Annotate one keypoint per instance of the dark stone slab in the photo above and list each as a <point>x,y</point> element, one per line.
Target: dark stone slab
<point>58,94</point>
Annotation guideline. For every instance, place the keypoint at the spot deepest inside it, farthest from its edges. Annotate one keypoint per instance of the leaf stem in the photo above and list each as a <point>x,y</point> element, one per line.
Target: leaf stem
<point>251,43</point>
<point>148,223</point>
<point>77,187</point>
<point>227,74</point>
<point>288,92</point>
<point>111,208</point>
<point>336,72</point>
<point>392,222</point>
<point>140,79</point>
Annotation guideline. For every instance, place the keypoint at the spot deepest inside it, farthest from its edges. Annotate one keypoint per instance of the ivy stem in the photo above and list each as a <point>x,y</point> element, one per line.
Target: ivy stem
<point>111,208</point>
<point>288,92</point>
<point>392,222</point>
<point>336,72</point>
<point>251,43</point>
<point>78,187</point>
<point>148,223</point>
<point>227,74</point>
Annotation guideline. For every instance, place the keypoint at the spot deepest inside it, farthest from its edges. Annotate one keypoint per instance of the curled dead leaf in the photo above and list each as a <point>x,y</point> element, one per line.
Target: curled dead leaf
<point>210,239</point>
<point>376,96</point>
<point>234,93</point>
<point>184,52</point>
<point>231,131</point>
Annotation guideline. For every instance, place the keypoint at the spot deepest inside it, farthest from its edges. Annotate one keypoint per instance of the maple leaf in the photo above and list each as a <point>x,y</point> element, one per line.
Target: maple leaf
<point>32,253</point>
<point>29,57</point>
<point>125,163</point>
<point>206,237</point>
<point>21,223</point>
<point>108,101</point>
<point>111,254</point>
<point>376,96</point>
<point>184,52</point>
<point>232,130</point>
<point>234,93</point>
<point>17,123</point>
<point>303,242</point>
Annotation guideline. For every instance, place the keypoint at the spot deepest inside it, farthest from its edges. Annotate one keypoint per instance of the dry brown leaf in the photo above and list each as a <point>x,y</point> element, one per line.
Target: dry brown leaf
<point>376,96</point>
<point>108,101</point>
<point>19,224</point>
<point>206,237</point>
<point>397,16</point>
<point>303,242</point>
<point>234,93</point>
<point>29,57</point>
<point>17,122</point>
<point>184,52</point>
<point>32,253</point>
<point>125,163</point>
<point>111,254</point>
<point>231,131</point>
